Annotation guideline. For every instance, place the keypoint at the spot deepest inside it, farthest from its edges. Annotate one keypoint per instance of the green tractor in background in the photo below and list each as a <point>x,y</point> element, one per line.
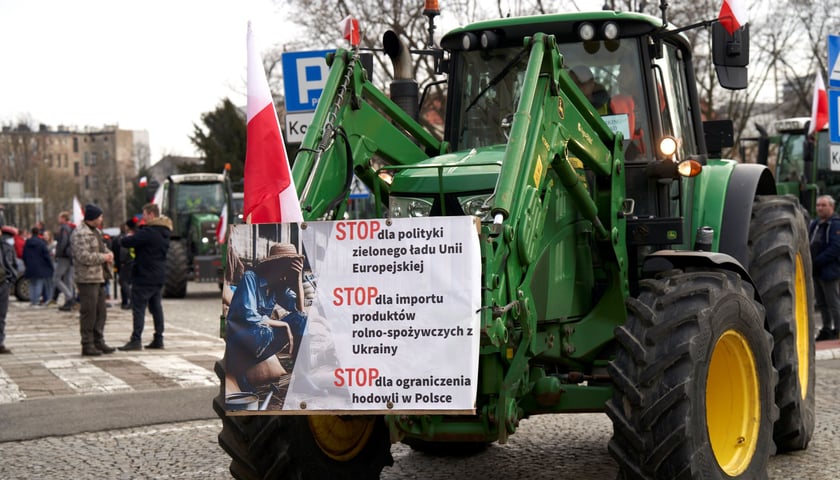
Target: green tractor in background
<point>194,202</point>
<point>627,268</point>
<point>802,165</point>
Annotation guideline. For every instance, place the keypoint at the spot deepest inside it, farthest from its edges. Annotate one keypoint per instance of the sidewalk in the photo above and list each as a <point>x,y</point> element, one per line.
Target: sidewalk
<point>46,358</point>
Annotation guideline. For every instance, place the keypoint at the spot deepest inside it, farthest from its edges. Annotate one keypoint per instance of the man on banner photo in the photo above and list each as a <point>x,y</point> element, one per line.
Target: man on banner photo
<point>266,316</point>
<point>270,195</point>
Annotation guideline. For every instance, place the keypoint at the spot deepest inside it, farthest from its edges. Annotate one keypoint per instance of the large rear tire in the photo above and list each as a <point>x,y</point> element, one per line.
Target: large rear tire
<point>694,381</point>
<point>302,447</point>
<point>780,266</point>
<point>175,285</point>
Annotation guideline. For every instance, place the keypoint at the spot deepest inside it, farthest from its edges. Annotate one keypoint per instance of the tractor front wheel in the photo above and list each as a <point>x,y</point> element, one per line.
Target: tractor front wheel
<point>302,447</point>
<point>175,284</point>
<point>694,380</point>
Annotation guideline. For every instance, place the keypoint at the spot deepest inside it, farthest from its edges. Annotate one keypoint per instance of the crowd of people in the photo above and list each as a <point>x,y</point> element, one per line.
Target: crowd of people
<point>78,263</point>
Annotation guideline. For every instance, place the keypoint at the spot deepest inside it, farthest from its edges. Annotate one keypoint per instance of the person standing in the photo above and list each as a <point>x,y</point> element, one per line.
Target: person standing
<point>9,264</point>
<point>150,243</point>
<point>39,266</point>
<point>92,261</point>
<point>824,232</point>
<point>63,278</point>
<point>125,262</point>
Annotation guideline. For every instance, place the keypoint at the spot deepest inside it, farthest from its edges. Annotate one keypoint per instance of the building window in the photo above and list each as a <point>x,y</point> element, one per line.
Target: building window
<point>87,182</point>
<point>75,169</point>
<point>75,144</point>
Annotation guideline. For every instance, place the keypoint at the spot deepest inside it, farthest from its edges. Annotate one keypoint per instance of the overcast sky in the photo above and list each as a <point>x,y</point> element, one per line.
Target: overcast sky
<point>152,65</point>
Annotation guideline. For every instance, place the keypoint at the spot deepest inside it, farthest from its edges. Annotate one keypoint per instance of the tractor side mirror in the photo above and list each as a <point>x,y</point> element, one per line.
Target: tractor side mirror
<point>731,55</point>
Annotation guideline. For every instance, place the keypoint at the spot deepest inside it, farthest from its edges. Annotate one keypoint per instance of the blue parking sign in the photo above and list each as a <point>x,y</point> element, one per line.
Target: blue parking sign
<point>304,77</point>
<point>833,121</point>
<point>834,61</point>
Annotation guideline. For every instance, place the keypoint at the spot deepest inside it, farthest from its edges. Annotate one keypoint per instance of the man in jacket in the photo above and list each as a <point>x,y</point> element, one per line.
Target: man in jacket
<point>93,262</point>
<point>824,233</point>
<point>9,263</point>
<point>63,278</point>
<point>39,267</point>
<point>150,243</point>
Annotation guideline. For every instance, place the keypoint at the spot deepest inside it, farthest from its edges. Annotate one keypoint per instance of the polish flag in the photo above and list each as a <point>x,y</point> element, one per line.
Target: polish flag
<point>351,31</point>
<point>733,15</point>
<point>221,228</point>
<point>270,195</point>
<point>143,182</point>
<point>819,106</point>
<point>78,212</point>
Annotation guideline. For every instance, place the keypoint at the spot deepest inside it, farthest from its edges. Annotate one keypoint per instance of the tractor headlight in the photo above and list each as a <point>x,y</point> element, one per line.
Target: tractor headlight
<point>476,206</point>
<point>409,207</point>
<point>586,31</point>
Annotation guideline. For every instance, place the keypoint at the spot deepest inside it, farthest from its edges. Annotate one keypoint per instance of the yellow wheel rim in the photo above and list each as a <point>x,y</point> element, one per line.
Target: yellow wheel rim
<point>733,412</point>
<point>341,438</point>
<point>803,330</point>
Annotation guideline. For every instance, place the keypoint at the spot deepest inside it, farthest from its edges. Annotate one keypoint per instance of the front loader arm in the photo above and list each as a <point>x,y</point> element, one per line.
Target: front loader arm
<point>353,124</point>
<point>555,128</point>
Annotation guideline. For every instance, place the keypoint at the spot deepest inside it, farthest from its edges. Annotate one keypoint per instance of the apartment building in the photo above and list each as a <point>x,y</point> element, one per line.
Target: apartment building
<point>55,164</point>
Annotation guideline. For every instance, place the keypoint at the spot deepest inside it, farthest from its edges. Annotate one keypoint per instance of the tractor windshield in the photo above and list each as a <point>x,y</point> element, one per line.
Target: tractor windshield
<point>200,197</point>
<point>791,162</point>
<point>489,84</point>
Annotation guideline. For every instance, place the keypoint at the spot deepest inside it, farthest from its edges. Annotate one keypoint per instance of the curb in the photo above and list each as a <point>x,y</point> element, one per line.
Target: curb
<point>827,350</point>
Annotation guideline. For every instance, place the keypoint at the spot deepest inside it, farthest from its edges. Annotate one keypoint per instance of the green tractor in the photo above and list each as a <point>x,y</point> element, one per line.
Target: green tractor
<point>194,202</point>
<point>626,268</point>
<point>803,166</point>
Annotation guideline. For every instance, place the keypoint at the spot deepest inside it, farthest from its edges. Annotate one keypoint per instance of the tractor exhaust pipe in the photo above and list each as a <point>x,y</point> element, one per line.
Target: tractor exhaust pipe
<point>404,89</point>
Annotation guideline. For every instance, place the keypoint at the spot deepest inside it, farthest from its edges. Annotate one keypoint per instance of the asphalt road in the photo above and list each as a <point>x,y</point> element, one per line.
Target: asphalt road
<point>145,435</point>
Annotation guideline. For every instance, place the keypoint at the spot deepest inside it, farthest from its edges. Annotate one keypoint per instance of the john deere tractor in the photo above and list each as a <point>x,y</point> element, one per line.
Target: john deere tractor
<point>194,202</point>
<point>626,268</point>
<point>803,162</point>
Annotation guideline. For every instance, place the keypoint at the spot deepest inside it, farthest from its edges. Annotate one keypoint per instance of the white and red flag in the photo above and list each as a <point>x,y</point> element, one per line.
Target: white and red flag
<point>733,15</point>
<point>351,30</point>
<point>78,212</point>
<point>819,106</point>
<point>221,228</point>
<point>270,195</point>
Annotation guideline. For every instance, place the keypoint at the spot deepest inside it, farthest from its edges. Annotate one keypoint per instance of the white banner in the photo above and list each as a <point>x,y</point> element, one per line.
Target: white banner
<point>391,317</point>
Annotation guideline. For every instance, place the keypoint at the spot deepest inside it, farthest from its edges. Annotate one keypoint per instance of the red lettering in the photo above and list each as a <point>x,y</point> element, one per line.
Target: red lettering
<point>358,377</point>
<point>354,295</point>
<point>361,230</point>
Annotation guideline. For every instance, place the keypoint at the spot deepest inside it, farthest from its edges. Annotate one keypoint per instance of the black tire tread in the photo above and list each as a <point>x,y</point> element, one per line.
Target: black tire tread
<point>777,233</point>
<point>670,320</point>
<point>175,284</point>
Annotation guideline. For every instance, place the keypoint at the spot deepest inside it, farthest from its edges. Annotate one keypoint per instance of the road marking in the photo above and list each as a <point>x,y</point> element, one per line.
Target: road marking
<point>84,377</point>
<point>9,391</point>
<point>179,370</point>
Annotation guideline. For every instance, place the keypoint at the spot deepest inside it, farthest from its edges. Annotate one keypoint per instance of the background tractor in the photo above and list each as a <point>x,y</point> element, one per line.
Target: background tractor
<point>802,164</point>
<point>626,268</point>
<point>194,202</point>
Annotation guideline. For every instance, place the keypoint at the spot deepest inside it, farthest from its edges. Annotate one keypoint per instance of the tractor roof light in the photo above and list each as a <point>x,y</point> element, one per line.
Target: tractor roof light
<point>469,41</point>
<point>586,31</point>
<point>490,39</point>
<point>610,30</point>
<point>689,168</point>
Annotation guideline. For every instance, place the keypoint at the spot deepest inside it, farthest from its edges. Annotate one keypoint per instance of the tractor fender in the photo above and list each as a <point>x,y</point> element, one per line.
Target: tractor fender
<point>746,181</point>
<point>664,260</point>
